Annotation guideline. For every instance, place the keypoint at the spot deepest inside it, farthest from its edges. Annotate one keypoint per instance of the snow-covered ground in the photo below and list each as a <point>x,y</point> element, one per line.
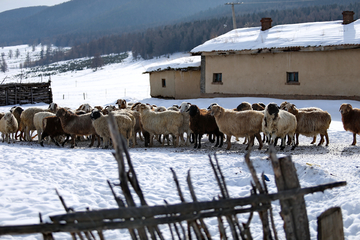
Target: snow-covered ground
<point>29,173</point>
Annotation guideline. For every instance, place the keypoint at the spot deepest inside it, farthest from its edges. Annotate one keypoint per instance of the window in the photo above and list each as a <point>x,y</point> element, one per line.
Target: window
<point>292,77</point>
<point>163,82</point>
<point>217,78</point>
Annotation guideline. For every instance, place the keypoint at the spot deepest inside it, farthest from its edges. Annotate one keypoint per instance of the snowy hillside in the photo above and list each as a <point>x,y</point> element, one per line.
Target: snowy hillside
<point>29,173</point>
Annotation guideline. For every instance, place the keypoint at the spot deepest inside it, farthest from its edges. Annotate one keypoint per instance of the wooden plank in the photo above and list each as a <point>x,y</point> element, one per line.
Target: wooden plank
<point>330,225</point>
<point>297,205</point>
<point>293,211</point>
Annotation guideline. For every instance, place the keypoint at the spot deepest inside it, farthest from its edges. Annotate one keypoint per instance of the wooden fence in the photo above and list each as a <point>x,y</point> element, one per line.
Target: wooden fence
<point>25,93</point>
<point>143,221</point>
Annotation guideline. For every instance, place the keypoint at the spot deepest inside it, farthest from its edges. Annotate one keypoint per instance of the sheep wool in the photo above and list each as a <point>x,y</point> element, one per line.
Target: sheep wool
<point>239,124</point>
<point>8,127</point>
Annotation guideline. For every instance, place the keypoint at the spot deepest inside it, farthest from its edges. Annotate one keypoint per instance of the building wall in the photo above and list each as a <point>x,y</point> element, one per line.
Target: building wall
<point>156,88</point>
<point>321,74</point>
<point>179,84</point>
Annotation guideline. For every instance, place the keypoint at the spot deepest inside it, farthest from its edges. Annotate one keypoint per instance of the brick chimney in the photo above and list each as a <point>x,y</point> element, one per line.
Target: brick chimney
<point>348,17</point>
<point>265,23</point>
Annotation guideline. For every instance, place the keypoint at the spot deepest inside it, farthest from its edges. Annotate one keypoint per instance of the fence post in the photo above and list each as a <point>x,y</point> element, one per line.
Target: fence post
<point>330,225</point>
<point>293,211</point>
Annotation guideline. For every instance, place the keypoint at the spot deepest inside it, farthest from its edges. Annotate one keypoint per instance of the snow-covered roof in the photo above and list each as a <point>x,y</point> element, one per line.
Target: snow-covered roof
<point>176,64</point>
<point>312,34</point>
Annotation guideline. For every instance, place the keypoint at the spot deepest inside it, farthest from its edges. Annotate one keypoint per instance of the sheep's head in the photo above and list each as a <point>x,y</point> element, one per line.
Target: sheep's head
<point>85,107</point>
<point>98,108</point>
<point>193,110</point>
<point>244,106</point>
<point>110,108</point>
<point>345,108</point>
<point>121,103</point>
<point>184,107</point>
<point>213,104</point>
<point>160,109</point>
<point>8,116</point>
<point>284,105</point>
<point>273,109</point>
<point>53,107</point>
<point>61,112</point>
<point>216,110</point>
<point>143,107</point>
<point>17,110</point>
<point>134,106</point>
<point>258,106</point>
<point>95,115</point>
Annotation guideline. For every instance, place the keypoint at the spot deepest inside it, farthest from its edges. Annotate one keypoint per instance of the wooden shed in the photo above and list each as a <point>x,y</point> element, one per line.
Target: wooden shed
<point>25,93</point>
<point>317,60</point>
<point>176,79</point>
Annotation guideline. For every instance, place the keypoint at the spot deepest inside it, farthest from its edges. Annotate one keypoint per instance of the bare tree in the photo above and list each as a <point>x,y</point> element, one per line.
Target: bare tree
<point>3,65</point>
<point>10,54</point>
<point>17,53</point>
<point>97,62</point>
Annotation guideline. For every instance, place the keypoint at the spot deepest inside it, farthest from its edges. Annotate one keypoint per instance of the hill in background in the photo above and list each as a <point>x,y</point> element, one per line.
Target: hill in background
<point>80,21</point>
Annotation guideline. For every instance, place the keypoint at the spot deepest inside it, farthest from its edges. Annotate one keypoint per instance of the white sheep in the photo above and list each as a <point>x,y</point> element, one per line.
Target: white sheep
<point>8,127</point>
<point>185,128</point>
<point>85,107</point>
<point>27,121</point>
<point>278,123</point>
<point>100,122</point>
<point>173,108</point>
<point>38,122</point>
<point>53,107</point>
<point>157,123</point>
<point>246,124</point>
<point>135,116</point>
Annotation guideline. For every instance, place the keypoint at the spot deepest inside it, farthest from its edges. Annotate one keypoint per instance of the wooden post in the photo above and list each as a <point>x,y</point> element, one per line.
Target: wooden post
<point>31,93</point>
<point>330,225</point>
<point>293,211</point>
<point>15,94</point>
<point>6,97</point>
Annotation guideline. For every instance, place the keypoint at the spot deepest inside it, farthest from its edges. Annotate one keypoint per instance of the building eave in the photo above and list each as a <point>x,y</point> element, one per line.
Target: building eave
<point>175,69</point>
<point>282,50</point>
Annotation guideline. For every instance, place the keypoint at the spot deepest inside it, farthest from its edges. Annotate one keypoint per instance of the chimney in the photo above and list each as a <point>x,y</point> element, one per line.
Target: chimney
<point>348,17</point>
<point>265,23</point>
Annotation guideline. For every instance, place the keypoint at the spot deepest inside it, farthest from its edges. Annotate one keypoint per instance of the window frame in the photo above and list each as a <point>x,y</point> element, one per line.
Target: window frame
<point>217,78</point>
<point>163,82</point>
<point>292,78</point>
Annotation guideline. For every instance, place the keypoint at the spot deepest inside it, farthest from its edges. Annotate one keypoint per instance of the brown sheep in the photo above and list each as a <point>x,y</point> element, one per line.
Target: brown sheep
<point>310,122</point>
<point>350,118</point>
<point>52,127</point>
<point>243,106</point>
<point>201,122</point>
<point>258,106</point>
<point>77,125</point>
<point>121,103</point>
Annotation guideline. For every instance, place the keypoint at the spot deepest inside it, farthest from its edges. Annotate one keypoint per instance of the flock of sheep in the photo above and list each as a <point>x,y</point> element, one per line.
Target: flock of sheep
<point>148,122</point>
